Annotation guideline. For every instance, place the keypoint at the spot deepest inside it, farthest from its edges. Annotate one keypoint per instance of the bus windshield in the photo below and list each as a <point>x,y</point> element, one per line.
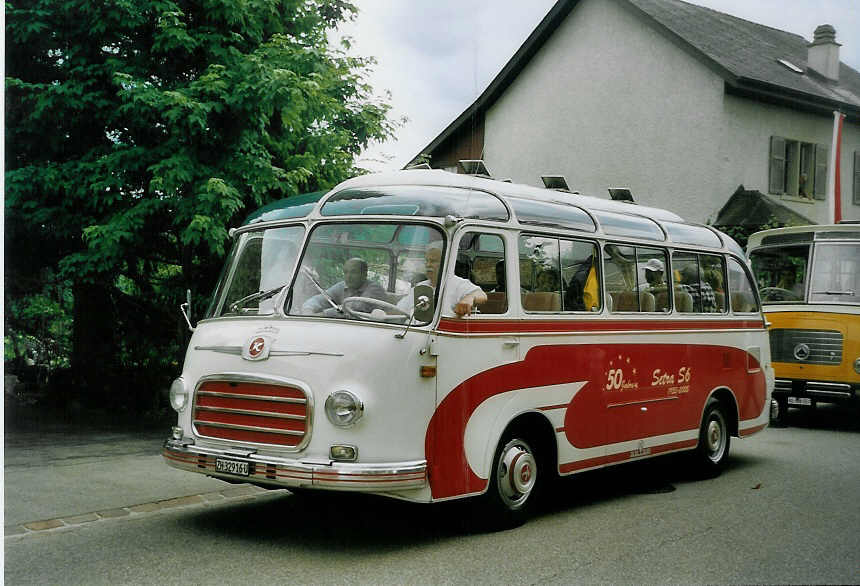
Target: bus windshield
<point>836,273</point>
<point>364,271</point>
<point>260,266</point>
<point>781,273</point>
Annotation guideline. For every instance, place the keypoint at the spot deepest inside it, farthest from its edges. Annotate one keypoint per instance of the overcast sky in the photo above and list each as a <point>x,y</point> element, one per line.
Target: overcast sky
<point>437,56</point>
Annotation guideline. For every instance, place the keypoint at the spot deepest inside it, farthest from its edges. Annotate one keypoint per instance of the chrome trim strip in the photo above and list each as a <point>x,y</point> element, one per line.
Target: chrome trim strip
<point>272,430</point>
<point>251,412</point>
<point>237,350</point>
<point>303,353</point>
<point>814,391</point>
<point>222,349</point>
<point>844,386</point>
<point>284,472</point>
<point>252,397</point>
<point>643,401</point>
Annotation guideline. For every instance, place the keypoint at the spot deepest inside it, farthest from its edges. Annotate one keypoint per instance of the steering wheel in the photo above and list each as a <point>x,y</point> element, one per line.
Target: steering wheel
<point>777,294</point>
<point>400,316</point>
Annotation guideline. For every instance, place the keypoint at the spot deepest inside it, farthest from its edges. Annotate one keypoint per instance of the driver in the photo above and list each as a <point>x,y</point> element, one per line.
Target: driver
<point>788,281</point>
<point>355,284</point>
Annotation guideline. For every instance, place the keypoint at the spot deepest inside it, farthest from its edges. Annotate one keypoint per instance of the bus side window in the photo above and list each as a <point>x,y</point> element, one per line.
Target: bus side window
<point>579,277</point>
<point>622,285</point>
<point>540,274</point>
<point>636,279</point>
<point>740,289</point>
<point>696,275</point>
<point>651,266</point>
<point>713,271</point>
<point>487,270</point>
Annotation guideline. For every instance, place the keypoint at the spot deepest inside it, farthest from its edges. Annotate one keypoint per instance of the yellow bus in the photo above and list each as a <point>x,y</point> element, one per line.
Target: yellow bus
<point>809,280</point>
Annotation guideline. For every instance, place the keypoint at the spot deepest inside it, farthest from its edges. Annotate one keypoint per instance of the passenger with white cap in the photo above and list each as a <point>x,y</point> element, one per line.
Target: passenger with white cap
<point>654,271</point>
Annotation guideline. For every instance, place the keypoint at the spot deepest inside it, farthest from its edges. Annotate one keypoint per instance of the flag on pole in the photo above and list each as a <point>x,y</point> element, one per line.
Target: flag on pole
<point>834,181</point>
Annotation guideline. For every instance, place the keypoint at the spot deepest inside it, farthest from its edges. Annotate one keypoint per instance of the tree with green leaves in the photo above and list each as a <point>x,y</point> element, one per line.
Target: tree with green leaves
<point>139,131</point>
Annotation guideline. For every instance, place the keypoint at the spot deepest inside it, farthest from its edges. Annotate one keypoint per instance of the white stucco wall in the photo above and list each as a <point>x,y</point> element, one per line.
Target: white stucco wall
<point>610,101</point>
<point>748,126</point>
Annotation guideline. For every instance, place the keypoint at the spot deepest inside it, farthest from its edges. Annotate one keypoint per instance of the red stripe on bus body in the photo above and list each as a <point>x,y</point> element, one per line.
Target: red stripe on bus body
<point>480,326</point>
<point>615,373</point>
<point>569,467</point>
<point>578,465</point>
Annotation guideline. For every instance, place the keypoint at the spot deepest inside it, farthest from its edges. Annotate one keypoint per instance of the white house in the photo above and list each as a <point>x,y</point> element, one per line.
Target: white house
<point>681,104</point>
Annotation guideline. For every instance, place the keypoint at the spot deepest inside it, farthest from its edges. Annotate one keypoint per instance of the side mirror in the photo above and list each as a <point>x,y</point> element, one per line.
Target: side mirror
<point>423,303</point>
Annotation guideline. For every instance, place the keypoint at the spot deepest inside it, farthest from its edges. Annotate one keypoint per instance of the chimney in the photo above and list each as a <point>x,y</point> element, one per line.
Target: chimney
<point>823,54</point>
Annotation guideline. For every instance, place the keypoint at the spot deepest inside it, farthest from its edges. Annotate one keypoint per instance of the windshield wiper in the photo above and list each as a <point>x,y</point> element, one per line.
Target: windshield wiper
<point>833,292</point>
<point>319,288</point>
<point>259,295</point>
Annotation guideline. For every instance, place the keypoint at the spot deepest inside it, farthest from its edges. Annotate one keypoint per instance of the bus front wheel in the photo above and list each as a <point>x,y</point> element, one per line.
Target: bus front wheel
<point>779,412</point>
<point>515,480</point>
<point>714,440</point>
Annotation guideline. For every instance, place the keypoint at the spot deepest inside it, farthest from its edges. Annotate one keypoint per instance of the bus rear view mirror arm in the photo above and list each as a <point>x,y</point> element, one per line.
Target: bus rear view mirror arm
<point>185,308</point>
<point>422,307</point>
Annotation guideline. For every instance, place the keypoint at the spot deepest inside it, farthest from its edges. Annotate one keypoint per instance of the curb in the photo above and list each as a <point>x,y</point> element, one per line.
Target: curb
<point>244,491</point>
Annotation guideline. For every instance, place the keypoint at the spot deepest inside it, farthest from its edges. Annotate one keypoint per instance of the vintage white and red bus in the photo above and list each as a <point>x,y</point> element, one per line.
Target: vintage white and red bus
<point>331,356</point>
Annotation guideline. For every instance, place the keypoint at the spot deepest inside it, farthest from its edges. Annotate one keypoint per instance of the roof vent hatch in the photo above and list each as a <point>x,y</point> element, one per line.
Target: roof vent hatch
<point>788,64</point>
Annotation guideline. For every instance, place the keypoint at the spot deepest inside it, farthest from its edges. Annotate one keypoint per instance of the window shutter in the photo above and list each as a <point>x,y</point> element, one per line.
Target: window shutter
<point>820,171</point>
<point>857,178</point>
<point>777,165</point>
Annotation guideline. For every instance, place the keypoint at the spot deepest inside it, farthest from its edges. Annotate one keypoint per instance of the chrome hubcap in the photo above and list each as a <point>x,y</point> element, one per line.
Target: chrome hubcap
<point>517,473</point>
<point>715,437</point>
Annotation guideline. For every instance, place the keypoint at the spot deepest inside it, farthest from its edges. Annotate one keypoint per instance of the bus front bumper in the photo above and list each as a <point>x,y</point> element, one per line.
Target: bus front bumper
<point>245,465</point>
<point>820,390</point>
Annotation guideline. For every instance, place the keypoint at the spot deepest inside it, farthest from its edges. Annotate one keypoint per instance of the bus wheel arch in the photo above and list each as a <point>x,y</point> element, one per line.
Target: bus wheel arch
<point>524,465</point>
<point>727,398</point>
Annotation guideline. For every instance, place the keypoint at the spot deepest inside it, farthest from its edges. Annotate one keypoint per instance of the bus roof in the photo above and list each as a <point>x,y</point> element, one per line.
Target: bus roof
<point>803,234</point>
<point>504,189</point>
<point>640,220</point>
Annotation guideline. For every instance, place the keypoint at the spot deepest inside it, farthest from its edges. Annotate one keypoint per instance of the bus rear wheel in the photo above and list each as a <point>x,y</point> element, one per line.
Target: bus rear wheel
<point>515,481</point>
<point>714,440</point>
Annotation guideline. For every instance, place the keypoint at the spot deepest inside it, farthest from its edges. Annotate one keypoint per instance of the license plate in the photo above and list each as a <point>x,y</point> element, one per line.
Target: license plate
<point>232,467</point>
<point>799,401</point>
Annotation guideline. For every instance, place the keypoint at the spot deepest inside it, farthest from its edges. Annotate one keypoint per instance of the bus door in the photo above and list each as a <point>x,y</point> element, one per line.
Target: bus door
<point>473,345</point>
<point>473,355</point>
<point>637,375</point>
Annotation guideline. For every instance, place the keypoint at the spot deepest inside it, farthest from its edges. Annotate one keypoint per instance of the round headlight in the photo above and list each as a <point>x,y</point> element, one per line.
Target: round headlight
<point>343,408</point>
<point>857,366</point>
<point>178,394</point>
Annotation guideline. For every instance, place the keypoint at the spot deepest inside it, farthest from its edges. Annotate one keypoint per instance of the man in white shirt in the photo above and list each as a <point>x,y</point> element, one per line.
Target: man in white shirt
<point>461,295</point>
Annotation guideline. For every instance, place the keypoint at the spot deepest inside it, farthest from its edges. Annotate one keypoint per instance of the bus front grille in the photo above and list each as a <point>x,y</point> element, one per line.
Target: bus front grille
<point>251,412</point>
<point>806,346</point>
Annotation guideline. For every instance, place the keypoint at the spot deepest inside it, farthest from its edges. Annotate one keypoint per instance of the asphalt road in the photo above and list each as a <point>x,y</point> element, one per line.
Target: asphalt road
<point>784,511</point>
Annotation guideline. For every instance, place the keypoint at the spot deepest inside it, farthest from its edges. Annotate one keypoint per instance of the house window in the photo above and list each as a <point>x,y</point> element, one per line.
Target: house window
<point>797,168</point>
<point>857,178</point>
